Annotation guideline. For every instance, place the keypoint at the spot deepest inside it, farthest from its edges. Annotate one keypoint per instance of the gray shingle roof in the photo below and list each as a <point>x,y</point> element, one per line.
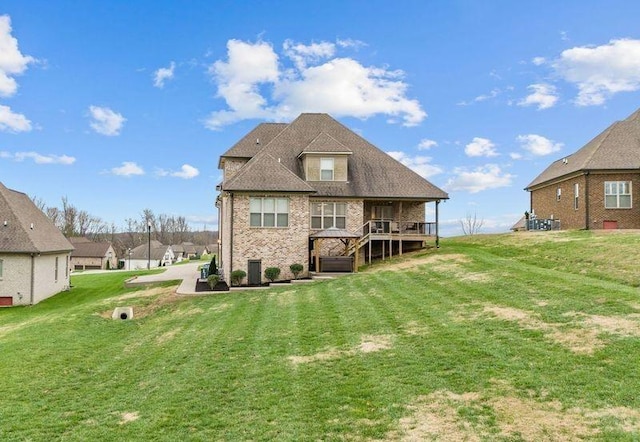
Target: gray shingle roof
<point>371,172</point>
<point>158,250</point>
<point>264,173</point>
<point>90,249</point>
<point>616,148</point>
<point>255,140</point>
<point>326,143</point>
<point>26,229</point>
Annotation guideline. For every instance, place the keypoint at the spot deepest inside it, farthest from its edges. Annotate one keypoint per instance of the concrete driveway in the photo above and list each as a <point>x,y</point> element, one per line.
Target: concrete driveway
<point>188,273</point>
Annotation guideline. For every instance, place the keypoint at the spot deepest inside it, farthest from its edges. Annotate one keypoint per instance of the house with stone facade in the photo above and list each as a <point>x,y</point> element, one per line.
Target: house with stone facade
<point>593,188</point>
<point>34,254</point>
<point>313,192</point>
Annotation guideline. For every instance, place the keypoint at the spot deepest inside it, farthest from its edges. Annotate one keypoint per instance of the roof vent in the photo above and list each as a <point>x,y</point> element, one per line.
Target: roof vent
<point>5,223</point>
<point>565,161</point>
<point>257,140</point>
<point>31,226</point>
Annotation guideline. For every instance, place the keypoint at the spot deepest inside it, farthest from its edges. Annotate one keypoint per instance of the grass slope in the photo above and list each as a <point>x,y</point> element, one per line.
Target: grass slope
<point>499,337</point>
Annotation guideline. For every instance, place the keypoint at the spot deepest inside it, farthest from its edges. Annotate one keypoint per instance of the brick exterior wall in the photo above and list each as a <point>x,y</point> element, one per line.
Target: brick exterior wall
<point>16,279</point>
<point>545,204</point>
<point>354,212</point>
<point>274,246</point>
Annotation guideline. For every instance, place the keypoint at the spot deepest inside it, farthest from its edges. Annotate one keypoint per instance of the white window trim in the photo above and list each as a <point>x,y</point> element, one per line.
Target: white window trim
<point>275,212</point>
<point>322,216</point>
<point>332,170</point>
<point>617,195</point>
<point>576,196</point>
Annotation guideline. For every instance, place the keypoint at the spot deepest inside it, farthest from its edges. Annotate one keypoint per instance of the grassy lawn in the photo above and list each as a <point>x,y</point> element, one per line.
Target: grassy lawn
<point>520,337</point>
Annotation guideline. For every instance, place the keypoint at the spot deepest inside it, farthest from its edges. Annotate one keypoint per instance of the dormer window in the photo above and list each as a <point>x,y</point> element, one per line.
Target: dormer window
<point>326,169</point>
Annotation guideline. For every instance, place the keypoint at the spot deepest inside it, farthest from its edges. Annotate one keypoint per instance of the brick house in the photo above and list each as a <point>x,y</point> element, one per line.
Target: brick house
<point>89,255</point>
<point>593,187</point>
<point>34,254</point>
<point>315,193</point>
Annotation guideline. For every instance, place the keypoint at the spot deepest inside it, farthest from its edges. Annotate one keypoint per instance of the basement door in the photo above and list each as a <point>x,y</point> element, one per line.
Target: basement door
<point>254,276</point>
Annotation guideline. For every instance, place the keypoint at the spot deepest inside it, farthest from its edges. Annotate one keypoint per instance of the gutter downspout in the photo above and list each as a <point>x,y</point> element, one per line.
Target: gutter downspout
<point>586,200</point>
<point>33,280</point>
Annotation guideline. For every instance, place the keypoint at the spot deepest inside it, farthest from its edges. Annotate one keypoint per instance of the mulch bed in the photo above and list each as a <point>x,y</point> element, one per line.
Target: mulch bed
<point>203,286</point>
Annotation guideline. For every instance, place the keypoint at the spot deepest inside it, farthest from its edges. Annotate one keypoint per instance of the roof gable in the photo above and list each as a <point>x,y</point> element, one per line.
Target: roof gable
<point>252,143</point>
<point>264,173</point>
<point>26,229</point>
<point>325,143</point>
<point>616,148</point>
<point>372,173</point>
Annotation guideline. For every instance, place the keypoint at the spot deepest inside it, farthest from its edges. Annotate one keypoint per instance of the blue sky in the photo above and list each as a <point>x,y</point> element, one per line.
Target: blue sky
<point>125,105</point>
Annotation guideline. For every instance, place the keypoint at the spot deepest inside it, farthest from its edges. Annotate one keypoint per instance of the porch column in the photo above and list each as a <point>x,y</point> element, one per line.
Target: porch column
<point>355,254</point>
<point>316,252</point>
<point>437,224</point>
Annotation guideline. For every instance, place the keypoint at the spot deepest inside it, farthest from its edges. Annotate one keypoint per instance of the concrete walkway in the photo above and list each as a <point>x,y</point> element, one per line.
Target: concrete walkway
<point>188,273</point>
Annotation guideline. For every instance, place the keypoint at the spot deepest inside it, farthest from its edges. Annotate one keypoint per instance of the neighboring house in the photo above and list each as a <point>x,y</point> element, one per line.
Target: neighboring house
<point>89,255</point>
<point>315,193</point>
<point>593,188</point>
<point>138,258</point>
<point>178,253</point>
<point>185,250</point>
<point>189,250</point>
<point>201,250</point>
<point>34,254</point>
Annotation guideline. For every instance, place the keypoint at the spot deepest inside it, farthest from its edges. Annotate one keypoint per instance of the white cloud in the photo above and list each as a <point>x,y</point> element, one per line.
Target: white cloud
<point>481,178</point>
<point>426,144</point>
<point>543,95</point>
<point>538,145</point>
<point>254,84</point>
<point>515,155</point>
<point>538,61</point>
<point>480,147</point>
<point>13,122</point>
<point>162,75</point>
<point>39,158</point>
<point>302,55</point>
<point>12,62</point>
<point>186,172</point>
<point>128,168</point>
<point>601,71</point>
<point>480,98</point>
<point>419,164</point>
<point>105,121</point>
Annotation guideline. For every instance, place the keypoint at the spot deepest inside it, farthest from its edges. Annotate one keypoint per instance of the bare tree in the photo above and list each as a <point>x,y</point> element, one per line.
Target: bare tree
<point>471,225</point>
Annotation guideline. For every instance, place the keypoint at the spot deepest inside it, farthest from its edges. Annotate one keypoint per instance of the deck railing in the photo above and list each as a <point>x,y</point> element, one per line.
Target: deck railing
<point>387,227</point>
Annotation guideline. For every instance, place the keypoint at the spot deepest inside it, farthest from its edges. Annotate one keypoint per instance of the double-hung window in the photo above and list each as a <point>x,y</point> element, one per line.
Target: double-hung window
<point>326,169</point>
<point>617,194</point>
<point>576,195</point>
<point>269,212</point>
<point>326,215</point>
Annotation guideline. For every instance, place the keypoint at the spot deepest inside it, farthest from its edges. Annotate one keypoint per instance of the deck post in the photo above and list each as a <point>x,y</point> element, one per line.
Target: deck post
<point>437,223</point>
<point>400,228</point>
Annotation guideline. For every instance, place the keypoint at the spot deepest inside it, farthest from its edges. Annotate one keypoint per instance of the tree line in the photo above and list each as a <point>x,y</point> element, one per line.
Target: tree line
<point>168,229</point>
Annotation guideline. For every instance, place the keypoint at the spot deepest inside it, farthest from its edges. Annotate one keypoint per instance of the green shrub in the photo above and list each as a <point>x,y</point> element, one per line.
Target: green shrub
<point>272,273</point>
<point>296,269</point>
<point>237,276</point>
<point>212,280</point>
